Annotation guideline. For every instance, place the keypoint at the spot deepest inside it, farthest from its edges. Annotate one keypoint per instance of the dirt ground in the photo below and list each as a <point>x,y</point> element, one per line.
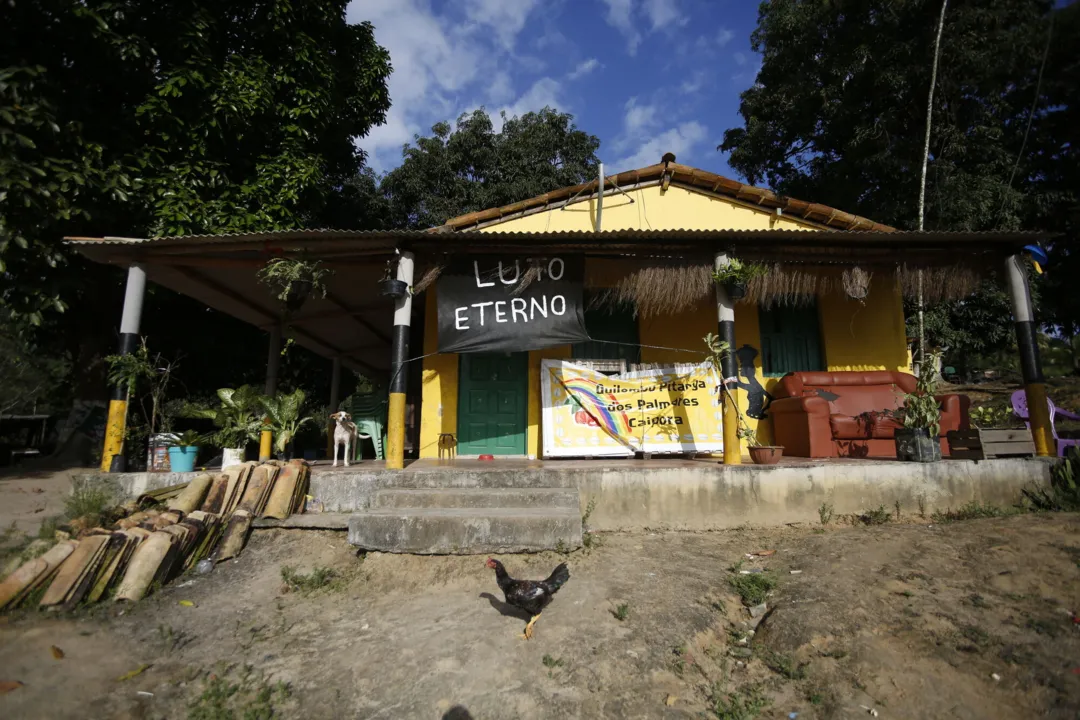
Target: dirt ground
<point>29,495</point>
<point>912,619</point>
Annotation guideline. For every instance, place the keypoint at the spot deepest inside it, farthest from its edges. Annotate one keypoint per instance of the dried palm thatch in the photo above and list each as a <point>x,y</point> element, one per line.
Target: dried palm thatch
<point>428,277</point>
<point>665,288</point>
<point>789,285</point>
<point>940,284</point>
<point>856,283</point>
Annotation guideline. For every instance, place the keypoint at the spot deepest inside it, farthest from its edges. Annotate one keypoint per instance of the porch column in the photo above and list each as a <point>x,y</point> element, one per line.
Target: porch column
<point>112,458</point>
<point>273,364</point>
<point>725,310</point>
<point>395,432</point>
<point>1030,364</point>
<point>335,392</point>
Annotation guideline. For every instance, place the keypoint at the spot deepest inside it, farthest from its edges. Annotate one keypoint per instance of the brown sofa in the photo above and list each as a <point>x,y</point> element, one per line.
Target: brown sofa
<point>840,414</point>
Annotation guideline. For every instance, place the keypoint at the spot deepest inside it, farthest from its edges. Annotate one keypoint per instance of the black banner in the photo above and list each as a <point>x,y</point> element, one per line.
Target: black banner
<point>511,304</point>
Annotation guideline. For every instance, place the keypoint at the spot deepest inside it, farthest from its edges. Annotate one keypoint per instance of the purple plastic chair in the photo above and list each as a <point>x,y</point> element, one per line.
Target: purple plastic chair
<point>1020,409</point>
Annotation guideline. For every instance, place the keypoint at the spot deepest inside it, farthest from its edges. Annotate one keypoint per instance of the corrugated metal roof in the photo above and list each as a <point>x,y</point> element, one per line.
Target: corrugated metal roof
<point>826,237</point>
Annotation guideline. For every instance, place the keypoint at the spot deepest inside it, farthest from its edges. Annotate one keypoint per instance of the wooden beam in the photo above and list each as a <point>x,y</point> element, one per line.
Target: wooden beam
<point>359,320</point>
<point>335,314</point>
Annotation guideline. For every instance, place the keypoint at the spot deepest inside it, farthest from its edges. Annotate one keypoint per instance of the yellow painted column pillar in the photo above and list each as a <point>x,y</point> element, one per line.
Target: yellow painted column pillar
<point>273,365</point>
<point>1030,363</point>
<point>399,354</point>
<point>112,454</point>
<point>725,310</point>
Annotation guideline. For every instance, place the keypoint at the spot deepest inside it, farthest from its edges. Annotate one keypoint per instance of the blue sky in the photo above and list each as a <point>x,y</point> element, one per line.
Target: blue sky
<point>645,76</point>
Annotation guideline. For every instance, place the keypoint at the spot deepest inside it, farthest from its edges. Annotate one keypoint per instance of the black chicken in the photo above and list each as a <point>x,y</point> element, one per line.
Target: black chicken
<point>532,596</point>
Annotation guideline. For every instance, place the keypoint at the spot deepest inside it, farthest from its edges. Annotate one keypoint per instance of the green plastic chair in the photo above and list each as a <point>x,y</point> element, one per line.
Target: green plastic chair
<point>369,413</point>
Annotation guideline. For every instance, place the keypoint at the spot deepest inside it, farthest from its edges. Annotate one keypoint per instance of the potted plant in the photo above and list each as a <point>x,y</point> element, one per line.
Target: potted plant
<point>735,275</point>
<point>283,414</point>
<point>292,280</point>
<point>235,419</point>
<point>921,416</point>
<point>183,449</point>
<point>759,454</point>
<point>390,286</point>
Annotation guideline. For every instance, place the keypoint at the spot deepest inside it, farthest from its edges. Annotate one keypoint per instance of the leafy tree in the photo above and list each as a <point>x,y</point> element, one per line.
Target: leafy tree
<point>838,116</point>
<point>472,167</point>
<point>136,118</point>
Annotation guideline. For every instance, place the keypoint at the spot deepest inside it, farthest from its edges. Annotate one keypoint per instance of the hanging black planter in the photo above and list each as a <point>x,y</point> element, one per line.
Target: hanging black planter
<point>735,290</point>
<point>297,295</point>
<point>393,288</point>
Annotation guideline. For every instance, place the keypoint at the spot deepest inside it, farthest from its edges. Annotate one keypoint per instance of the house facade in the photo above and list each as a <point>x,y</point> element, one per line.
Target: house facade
<point>492,402</point>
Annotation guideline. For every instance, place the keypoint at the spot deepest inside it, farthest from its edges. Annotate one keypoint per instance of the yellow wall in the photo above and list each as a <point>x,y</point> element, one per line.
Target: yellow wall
<point>855,336</point>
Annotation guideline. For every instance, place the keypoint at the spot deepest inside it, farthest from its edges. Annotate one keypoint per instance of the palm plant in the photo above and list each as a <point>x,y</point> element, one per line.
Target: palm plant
<point>236,418</point>
<point>283,412</point>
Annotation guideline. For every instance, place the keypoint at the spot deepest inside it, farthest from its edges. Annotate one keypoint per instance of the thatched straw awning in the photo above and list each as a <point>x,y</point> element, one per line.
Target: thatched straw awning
<point>665,270</point>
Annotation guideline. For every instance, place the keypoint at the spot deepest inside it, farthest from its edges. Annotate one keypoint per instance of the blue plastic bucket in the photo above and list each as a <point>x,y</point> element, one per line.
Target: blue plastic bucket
<point>182,459</point>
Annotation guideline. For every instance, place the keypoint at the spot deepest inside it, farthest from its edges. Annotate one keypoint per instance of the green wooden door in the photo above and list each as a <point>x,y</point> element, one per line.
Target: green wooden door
<point>492,401</point>
<point>790,340</point>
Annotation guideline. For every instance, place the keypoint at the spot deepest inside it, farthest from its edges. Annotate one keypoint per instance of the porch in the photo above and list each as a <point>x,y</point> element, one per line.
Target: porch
<point>658,494</point>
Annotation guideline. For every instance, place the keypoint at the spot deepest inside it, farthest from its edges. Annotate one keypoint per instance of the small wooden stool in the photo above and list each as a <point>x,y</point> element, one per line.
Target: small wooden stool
<point>447,445</point>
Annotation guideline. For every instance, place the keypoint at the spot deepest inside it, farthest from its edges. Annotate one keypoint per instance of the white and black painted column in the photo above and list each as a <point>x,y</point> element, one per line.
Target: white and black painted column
<point>112,456</point>
<point>399,353</point>
<point>725,309</point>
<point>1030,364</point>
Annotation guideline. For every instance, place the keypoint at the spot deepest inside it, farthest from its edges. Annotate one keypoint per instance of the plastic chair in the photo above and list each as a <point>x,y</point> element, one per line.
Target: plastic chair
<point>1020,410</point>
<point>369,413</point>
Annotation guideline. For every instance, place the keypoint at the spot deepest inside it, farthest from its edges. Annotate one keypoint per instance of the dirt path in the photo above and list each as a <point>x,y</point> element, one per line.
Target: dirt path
<point>910,620</point>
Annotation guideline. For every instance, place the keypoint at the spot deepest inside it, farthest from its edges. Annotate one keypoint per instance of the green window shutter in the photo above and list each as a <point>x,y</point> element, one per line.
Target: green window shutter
<point>790,340</point>
<point>613,324</point>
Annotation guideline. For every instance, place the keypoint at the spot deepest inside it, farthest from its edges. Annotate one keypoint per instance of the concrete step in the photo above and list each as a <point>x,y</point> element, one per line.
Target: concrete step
<point>466,530</point>
<point>475,498</point>
<point>306,521</point>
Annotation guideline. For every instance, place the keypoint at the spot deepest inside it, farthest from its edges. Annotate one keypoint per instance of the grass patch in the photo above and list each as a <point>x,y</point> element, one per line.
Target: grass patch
<point>250,697</point>
<point>320,578</point>
<point>1063,494</point>
<point>621,611</point>
<point>753,589</point>
<point>880,516</point>
<point>552,662</point>
<point>825,513</point>
<point>785,665</point>
<point>745,704</point>
<point>678,665</point>
<point>977,600</point>
<point>89,500</point>
<point>972,511</point>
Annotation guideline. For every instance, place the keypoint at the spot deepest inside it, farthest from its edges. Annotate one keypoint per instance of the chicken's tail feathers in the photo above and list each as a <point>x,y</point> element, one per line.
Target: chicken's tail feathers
<point>558,577</point>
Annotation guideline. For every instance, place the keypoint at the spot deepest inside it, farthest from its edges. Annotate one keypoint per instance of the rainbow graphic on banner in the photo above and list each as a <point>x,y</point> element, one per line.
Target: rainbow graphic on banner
<point>615,424</point>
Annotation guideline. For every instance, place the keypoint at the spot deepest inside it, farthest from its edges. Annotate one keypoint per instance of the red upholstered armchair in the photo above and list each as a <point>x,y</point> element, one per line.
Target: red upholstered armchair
<point>844,414</point>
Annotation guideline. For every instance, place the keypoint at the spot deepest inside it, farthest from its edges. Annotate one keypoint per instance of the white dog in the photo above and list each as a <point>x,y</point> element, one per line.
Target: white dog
<point>344,434</point>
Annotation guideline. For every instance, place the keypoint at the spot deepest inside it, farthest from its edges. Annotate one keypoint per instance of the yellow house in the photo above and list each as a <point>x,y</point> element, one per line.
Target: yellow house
<point>826,329</point>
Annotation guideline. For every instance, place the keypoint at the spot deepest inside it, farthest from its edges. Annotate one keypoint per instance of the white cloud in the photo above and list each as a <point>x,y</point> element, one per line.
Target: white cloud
<point>681,140</point>
<point>583,68</point>
<point>694,83</point>
<point>663,13</point>
<point>618,16</point>
<point>723,37</point>
<point>639,118</point>
<point>439,60</point>
<point>506,19</point>
<point>740,59</point>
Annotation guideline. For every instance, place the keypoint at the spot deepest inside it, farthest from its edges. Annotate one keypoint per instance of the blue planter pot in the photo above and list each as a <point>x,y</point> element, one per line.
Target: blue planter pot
<point>182,459</point>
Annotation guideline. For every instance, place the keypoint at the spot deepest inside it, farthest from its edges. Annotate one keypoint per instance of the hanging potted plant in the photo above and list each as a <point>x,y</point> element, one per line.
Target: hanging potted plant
<point>293,280</point>
<point>183,450</point>
<point>236,422</point>
<point>735,276</point>
<point>921,416</point>
<point>760,454</point>
<point>390,286</point>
